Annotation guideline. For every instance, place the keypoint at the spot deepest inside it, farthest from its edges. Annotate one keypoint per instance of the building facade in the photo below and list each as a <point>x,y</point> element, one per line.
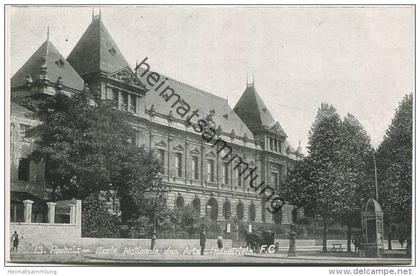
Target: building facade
<point>193,167</point>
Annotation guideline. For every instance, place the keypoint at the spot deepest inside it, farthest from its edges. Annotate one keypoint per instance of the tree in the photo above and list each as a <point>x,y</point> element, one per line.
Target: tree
<point>313,181</point>
<point>88,146</point>
<point>97,222</point>
<point>355,177</point>
<point>395,157</point>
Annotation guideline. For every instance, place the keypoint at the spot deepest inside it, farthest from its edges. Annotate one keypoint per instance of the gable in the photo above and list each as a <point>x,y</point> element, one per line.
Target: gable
<point>126,76</point>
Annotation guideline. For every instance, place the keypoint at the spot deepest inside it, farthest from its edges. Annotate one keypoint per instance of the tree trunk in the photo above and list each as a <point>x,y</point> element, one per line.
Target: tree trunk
<point>349,237</point>
<point>390,234</point>
<point>324,237</point>
<point>408,248</point>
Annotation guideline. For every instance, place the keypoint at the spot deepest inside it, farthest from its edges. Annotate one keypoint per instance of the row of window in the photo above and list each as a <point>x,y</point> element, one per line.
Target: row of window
<point>212,209</point>
<point>124,100</point>
<point>211,173</point>
<point>274,144</point>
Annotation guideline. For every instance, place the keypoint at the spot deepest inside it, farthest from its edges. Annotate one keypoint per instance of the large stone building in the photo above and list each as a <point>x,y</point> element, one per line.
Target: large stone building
<point>192,167</point>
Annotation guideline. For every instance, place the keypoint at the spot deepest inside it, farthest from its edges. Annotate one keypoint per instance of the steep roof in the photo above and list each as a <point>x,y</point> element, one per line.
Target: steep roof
<point>96,51</point>
<point>204,102</point>
<point>56,65</point>
<point>253,112</point>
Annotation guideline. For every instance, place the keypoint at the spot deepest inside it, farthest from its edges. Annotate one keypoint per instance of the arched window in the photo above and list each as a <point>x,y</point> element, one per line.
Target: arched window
<point>226,209</point>
<point>180,202</point>
<point>252,212</point>
<point>240,210</point>
<point>197,205</point>
<point>212,209</point>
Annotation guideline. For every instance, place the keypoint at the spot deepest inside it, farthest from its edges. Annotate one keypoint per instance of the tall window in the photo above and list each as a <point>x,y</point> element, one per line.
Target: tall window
<point>276,147</point>
<point>275,179</point>
<point>23,170</point>
<point>194,167</point>
<point>133,103</point>
<point>240,210</point>
<point>178,164</point>
<point>162,160</point>
<point>250,178</point>
<point>124,102</point>
<point>210,170</point>
<point>226,173</point>
<point>238,174</point>
<point>115,97</point>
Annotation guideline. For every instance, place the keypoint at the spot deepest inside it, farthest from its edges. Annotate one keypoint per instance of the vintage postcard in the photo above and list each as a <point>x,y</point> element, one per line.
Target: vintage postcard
<point>210,135</point>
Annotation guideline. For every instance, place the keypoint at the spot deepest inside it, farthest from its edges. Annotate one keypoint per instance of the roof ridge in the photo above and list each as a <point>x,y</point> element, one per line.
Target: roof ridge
<point>186,85</point>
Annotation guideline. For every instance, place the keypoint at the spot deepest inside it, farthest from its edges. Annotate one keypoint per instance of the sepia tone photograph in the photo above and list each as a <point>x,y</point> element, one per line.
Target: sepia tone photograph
<point>248,135</point>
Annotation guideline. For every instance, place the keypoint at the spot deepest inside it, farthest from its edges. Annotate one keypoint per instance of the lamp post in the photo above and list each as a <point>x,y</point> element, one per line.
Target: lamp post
<point>292,237</point>
<point>156,187</point>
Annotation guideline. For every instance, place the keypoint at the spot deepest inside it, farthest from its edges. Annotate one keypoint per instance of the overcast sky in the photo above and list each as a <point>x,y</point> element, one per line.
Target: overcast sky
<point>361,60</point>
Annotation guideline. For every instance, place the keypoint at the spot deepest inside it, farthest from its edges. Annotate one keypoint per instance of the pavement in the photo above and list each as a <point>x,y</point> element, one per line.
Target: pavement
<point>226,258</point>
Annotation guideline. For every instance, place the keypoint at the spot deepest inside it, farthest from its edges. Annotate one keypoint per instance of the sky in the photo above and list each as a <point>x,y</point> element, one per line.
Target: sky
<point>359,59</point>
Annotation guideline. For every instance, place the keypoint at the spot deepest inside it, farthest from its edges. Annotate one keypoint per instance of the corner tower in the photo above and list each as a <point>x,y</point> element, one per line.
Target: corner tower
<point>254,113</point>
<point>98,60</point>
<point>45,73</point>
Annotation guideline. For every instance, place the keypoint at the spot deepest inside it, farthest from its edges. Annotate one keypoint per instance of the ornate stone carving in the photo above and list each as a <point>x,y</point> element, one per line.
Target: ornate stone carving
<point>126,76</point>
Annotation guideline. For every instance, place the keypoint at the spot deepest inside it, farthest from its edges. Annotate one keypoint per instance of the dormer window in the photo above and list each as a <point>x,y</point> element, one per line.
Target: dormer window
<point>124,102</point>
<point>115,97</point>
<point>60,63</point>
<point>274,144</point>
<point>112,51</point>
<point>133,103</point>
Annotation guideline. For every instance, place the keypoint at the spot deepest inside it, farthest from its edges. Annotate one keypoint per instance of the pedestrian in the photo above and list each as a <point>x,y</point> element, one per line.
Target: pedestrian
<point>15,242</point>
<point>401,240</point>
<point>203,239</point>
<point>220,241</point>
<point>356,242</point>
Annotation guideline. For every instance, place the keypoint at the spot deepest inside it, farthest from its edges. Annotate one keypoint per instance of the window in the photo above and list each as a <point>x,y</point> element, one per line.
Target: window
<point>124,102</point>
<point>252,212</point>
<point>133,103</point>
<point>115,97</point>
<point>178,164</point>
<point>226,173</point>
<point>180,202</point>
<point>23,131</point>
<point>251,177</point>
<point>23,170</point>
<point>194,167</point>
<point>240,211</point>
<point>210,170</point>
<point>238,174</point>
<point>271,143</point>
<point>226,210</point>
<point>197,206</point>
<point>275,179</point>
<point>162,160</point>
<point>276,148</point>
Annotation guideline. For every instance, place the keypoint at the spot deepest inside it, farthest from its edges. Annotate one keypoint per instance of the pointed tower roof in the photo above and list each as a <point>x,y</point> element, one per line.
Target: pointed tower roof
<point>254,113</point>
<point>48,62</point>
<point>96,51</point>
